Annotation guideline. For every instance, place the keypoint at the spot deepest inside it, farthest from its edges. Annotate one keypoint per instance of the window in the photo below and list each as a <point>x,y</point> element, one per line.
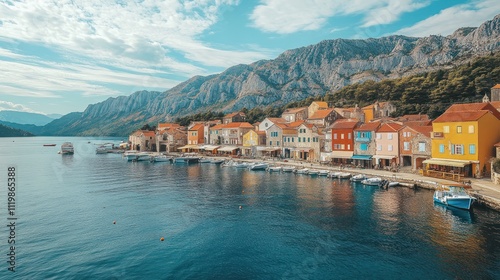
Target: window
<point>348,146</point>
<point>421,147</point>
<point>303,139</point>
<point>335,136</point>
<point>471,129</point>
<point>336,146</point>
<point>472,149</point>
<point>389,136</point>
<point>342,136</point>
<point>446,129</point>
<point>459,149</point>
<point>379,136</point>
<point>389,148</point>
<point>406,146</point>
<point>342,147</point>
<point>348,135</point>
<point>298,138</point>
<point>270,143</point>
<point>308,139</point>
<point>363,147</point>
<point>293,139</point>
<point>277,143</point>
<point>379,147</point>
<point>459,129</point>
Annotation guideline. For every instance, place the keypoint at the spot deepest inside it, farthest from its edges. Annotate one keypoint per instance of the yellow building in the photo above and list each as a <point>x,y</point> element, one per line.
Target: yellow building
<point>462,141</point>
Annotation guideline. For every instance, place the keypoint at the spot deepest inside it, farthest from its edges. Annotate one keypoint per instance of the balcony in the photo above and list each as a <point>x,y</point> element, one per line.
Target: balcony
<point>362,139</point>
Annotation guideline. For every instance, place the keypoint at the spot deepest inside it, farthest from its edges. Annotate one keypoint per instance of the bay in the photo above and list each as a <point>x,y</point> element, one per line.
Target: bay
<point>94,216</point>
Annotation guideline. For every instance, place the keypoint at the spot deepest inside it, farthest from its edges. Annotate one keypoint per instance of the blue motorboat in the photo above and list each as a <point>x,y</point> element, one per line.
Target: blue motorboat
<point>454,196</point>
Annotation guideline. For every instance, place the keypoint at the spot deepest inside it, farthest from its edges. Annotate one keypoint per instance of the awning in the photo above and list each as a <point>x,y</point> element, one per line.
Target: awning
<point>454,163</point>
<point>272,149</point>
<point>210,147</point>
<point>341,154</point>
<point>188,147</point>
<point>362,157</point>
<point>227,149</point>
<point>383,157</point>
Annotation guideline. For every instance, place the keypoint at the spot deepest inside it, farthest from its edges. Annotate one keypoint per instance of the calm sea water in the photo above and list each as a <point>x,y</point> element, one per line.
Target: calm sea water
<point>291,226</point>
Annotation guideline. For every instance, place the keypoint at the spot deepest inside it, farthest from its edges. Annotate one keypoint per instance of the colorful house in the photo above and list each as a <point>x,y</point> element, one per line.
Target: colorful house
<point>323,117</point>
<point>196,134</point>
<point>387,145</point>
<point>294,114</point>
<point>234,117</point>
<point>364,144</point>
<point>251,141</point>
<point>378,110</point>
<point>462,141</point>
<point>315,106</point>
<point>232,133</point>
<point>342,134</point>
<point>308,142</point>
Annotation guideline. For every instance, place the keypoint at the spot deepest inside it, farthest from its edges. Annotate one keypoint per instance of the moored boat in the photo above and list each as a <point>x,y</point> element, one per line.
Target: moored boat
<point>130,155</point>
<point>344,175</point>
<point>49,145</point>
<point>67,148</point>
<point>216,161</point>
<point>358,178</point>
<point>161,158</point>
<point>274,168</point>
<point>258,166</point>
<point>287,169</point>
<point>454,196</point>
<point>323,172</point>
<point>313,172</point>
<point>188,159</point>
<point>302,171</point>
<point>375,181</point>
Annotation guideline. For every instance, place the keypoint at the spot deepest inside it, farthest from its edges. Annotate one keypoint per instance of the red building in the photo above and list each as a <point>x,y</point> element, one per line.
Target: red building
<point>343,140</point>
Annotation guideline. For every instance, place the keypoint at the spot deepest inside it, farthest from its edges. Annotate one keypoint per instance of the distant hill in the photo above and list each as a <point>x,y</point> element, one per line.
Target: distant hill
<point>295,75</point>
<point>24,117</point>
<point>6,131</point>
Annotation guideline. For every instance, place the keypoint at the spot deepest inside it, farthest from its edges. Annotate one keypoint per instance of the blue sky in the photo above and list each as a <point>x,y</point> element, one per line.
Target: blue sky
<point>59,56</point>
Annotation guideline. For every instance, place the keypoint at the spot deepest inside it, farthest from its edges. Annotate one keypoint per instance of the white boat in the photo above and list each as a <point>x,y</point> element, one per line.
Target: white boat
<point>344,175</point>
<point>323,173</point>
<point>143,156</point>
<point>204,160</point>
<point>274,169</point>
<point>334,174</point>
<point>313,172</point>
<point>393,184</point>
<point>188,159</point>
<point>241,165</point>
<point>454,196</point>
<point>375,181</point>
<point>161,158</point>
<point>130,155</point>
<point>358,178</point>
<point>287,168</point>
<point>216,161</point>
<point>302,171</point>
<point>258,166</point>
<point>67,148</point>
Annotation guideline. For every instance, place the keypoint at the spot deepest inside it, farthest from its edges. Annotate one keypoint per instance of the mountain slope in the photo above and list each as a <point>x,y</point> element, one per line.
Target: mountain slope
<point>6,131</point>
<point>24,117</point>
<point>294,75</point>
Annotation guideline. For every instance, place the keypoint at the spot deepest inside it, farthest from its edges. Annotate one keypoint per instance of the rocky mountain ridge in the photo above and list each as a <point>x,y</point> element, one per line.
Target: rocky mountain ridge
<point>294,75</point>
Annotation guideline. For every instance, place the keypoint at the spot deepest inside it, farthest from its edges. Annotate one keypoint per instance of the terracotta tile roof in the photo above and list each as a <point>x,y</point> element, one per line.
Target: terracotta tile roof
<point>414,117</point>
<point>345,124</point>
<point>496,86</point>
<point>461,116</point>
<point>281,125</point>
<point>321,114</point>
<point>473,107</point>
<point>238,124</point>
<point>296,124</point>
<point>425,130</point>
<point>390,127</point>
<point>217,127</point>
<point>290,131</point>
<point>495,104</point>
<point>167,125</point>
<point>148,133</point>
<point>261,132</point>
<point>371,126</point>
<point>196,127</point>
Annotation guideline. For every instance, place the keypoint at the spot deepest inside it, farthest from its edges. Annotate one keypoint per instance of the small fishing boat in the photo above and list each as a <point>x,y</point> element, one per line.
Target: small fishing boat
<point>274,169</point>
<point>188,159</point>
<point>334,175</point>
<point>393,184</point>
<point>258,166</point>
<point>204,160</point>
<point>454,196</point>
<point>216,161</point>
<point>358,178</point>
<point>375,181</point>
<point>287,169</point>
<point>49,145</point>
<point>344,175</point>
<point>323,173</point>
<point>313,172</point>
<point>130,155</point>
<point>161,158</point>
<point>143,156</point>
<point>302,171</point>
<point>241,165</point>
<point>67,148</point>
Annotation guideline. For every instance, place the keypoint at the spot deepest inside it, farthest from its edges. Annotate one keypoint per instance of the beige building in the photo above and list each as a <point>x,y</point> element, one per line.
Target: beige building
<point>295,114</point>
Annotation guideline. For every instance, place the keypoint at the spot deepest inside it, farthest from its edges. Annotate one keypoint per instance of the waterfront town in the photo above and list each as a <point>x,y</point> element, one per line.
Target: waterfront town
<point>460,144</point>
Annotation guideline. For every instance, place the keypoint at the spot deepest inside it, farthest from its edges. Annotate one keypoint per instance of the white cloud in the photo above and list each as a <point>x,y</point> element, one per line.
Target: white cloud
<point>450,19</point>
<point>139,34</point>
<point>288,16</point>
<point>6,105</point>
